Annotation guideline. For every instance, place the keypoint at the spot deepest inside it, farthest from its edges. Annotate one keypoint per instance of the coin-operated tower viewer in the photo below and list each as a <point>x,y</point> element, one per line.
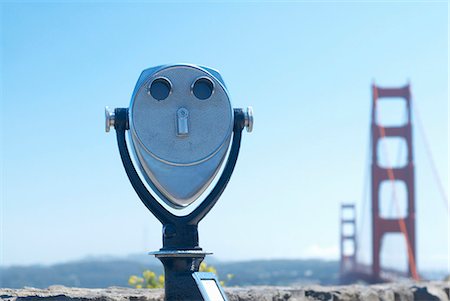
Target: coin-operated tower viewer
<point>185,136</point>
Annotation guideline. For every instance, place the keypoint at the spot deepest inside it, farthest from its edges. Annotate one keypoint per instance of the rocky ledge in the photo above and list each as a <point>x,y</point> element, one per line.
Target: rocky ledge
<point>423,291</point>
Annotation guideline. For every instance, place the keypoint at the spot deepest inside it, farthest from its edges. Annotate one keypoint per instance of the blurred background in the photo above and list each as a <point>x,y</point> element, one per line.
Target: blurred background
<point>68,212</point>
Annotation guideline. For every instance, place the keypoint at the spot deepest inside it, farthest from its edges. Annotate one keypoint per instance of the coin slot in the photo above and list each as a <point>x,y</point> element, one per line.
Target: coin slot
<point>182,122</point>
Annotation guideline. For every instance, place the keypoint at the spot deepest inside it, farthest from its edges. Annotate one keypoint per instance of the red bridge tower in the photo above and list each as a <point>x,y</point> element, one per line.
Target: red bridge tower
<point>406,224</point>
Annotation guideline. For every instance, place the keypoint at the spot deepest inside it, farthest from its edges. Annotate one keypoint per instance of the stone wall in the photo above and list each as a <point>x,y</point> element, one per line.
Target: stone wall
<point>423,291</point>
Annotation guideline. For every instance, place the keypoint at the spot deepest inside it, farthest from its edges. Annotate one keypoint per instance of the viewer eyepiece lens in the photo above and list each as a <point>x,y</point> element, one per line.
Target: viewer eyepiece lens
<point>160,89</point>
<point>203,88</point>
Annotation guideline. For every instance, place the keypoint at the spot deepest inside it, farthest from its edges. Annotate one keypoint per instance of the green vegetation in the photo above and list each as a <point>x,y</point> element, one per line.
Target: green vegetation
<point>149,279</point>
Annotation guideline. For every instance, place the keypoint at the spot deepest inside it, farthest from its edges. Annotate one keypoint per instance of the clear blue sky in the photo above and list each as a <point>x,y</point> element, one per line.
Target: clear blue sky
<point>305,67</point>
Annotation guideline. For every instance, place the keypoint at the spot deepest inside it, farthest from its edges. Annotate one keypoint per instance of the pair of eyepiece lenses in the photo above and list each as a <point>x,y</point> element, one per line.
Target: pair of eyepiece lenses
<point>161,87</point>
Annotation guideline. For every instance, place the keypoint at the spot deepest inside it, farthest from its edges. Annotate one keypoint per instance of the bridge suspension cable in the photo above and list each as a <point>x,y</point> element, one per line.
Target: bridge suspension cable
<point>434,170</point>
<point>365,199</point>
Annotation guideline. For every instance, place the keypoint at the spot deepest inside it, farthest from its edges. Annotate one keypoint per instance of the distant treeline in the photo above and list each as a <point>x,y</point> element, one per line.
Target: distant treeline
<point>102,273</point>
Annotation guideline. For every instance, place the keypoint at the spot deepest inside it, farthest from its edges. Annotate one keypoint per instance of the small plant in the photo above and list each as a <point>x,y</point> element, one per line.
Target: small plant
<point>150,280</point>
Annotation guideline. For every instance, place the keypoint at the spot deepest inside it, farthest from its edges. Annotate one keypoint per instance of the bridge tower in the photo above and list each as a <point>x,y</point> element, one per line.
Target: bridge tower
<point>348,246</point>
<point>380,225</point>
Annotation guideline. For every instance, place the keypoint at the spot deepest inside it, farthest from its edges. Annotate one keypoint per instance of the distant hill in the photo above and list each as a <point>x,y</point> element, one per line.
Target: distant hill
<point>88,274</point>
<point>279,272</point>
<point>99,273</point>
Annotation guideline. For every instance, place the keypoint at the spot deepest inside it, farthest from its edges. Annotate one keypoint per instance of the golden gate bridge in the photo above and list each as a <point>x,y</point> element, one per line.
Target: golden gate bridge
<point>382,174</point>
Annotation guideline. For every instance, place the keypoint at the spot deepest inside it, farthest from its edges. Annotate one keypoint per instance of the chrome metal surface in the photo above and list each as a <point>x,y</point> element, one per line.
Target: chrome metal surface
<point>109,119</point>
<point>180,253</point>
<point>249,119</point>
<point>180,139</point>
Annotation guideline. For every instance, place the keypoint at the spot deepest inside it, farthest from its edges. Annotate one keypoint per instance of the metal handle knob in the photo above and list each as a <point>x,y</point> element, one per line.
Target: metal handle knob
<point>110,117</point>
<point>249,119</point>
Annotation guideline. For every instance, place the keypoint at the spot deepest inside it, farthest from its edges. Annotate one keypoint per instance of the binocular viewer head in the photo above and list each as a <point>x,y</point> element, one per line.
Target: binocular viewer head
<point>180,126</point>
